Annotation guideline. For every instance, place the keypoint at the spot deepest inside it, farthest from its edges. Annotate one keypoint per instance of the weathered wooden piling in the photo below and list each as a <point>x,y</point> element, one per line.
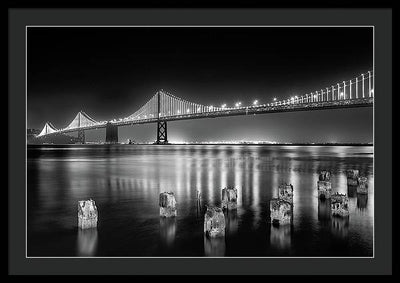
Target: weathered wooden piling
<point>167,204</point>
<point>362,185</point>
<point>87,214</point>
<point>285,192</point>
<point>214,222</point>
<point>280,212</point>
<point>339,205</point>
<point>352,177</point>
<point>229,198</point>
<point>324,185</point>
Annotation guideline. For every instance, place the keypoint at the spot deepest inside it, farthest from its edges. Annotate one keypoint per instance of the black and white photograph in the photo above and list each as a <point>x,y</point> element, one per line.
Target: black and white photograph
<point>200,141</point>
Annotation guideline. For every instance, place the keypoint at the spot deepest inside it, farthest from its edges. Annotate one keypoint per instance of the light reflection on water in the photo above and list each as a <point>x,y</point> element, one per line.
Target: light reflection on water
<point>125,182</point>
<point>87,242</point>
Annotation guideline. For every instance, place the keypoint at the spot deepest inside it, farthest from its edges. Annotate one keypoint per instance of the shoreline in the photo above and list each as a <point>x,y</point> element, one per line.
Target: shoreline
<point>230,144</point>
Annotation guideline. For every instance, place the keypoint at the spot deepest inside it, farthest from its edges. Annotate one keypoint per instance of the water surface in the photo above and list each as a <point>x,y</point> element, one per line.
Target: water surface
<point>125,181</point>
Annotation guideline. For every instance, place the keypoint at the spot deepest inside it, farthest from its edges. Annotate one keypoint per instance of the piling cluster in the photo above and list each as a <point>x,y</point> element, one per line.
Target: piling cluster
<point>338,202</point>
<point>281,208</point>
<point>355,180</point>
<point>358,184</point>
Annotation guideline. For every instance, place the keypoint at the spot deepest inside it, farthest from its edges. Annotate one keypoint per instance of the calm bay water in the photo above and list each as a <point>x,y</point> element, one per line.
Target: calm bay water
<point>125,181</point>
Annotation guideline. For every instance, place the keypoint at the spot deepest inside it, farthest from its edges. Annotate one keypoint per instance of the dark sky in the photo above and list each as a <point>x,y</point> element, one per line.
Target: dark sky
<point>110,72</point>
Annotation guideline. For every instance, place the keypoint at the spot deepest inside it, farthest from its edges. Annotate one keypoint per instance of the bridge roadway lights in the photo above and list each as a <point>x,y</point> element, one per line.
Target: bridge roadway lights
<point>81,136</point>
<point>162,132</point>
<point>111,133</point>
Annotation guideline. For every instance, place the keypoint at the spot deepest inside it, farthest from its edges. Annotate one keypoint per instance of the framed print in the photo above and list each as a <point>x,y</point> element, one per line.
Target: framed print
<point>184,141</point>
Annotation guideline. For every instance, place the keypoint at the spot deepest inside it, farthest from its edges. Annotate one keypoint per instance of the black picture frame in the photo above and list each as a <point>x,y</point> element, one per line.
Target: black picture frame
<point>19,17</point>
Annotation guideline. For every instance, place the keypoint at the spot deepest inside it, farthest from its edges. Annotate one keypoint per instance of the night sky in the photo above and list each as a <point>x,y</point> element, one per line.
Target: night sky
<point>111,72</point>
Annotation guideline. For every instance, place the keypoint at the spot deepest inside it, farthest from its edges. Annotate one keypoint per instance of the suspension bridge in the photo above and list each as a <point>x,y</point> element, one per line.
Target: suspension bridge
<point>164,107</point>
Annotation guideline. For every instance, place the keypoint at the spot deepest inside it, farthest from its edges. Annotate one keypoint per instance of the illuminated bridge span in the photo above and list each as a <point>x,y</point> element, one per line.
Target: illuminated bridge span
<point>164,107</point>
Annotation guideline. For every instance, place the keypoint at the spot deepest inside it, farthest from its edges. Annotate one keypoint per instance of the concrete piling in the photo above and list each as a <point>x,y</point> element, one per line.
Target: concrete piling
<point>352,177</point>
<point>214,222</point>
<point>339,205</point>
<point>362,185</point>
<point>324,185</point>
<point>280,212</point>
<point>285,192</point>
<point>167,204</point>
<point>87,214</point>
<point>229,198</point>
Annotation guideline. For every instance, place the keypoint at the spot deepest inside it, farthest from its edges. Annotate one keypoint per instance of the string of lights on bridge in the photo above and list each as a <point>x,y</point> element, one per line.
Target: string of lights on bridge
<point>165,105</point>
<point>352,89</point>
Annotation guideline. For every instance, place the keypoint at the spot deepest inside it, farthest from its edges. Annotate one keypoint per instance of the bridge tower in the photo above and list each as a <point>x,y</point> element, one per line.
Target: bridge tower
<point>81,133</point>
<point>162,137</point>
<point>81,136</point>
<point>111,133</point>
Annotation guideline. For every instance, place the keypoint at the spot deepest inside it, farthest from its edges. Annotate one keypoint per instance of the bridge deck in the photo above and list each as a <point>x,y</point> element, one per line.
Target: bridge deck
<point>251,110</point>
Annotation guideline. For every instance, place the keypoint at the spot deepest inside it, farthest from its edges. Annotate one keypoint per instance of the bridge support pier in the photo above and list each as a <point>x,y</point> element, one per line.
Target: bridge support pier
<point>111,133</point>
<point>81,136</point>
<point>162,132</point>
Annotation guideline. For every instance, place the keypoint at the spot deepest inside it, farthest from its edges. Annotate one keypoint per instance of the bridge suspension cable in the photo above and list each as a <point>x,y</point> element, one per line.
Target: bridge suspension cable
<point>361,86</point>
<point>47,129</point>
<point>170,105</point>
<point>164,105</point>
<point>81,120</point>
